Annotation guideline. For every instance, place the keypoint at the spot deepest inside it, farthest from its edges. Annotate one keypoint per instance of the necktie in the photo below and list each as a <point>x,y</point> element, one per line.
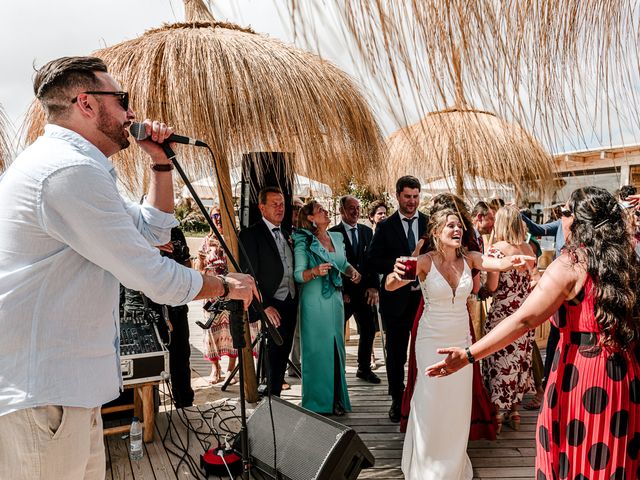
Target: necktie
<point>411,238</point>
<point>354,239</point>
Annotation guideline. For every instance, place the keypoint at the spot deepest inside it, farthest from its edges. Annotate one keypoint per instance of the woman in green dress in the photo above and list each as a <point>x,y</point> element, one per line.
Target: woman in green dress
<point>320,260</point>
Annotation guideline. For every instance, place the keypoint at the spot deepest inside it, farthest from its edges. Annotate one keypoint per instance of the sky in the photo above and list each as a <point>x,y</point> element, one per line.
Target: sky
<point>33,32</point>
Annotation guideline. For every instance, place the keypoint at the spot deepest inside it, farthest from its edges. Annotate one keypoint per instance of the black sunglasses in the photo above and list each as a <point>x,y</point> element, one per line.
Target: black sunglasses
<point>123,97</point>
<point>566,212</point>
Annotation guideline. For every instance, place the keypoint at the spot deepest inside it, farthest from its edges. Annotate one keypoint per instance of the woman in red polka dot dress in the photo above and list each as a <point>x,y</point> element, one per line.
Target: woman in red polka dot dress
<point>589,425</point>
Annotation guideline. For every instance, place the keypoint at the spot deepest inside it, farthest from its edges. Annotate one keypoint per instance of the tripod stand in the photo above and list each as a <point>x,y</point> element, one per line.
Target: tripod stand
<point>262,340</point>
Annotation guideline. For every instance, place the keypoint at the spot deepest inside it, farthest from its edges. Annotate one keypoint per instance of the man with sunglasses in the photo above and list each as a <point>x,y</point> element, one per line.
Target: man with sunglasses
<point>67,239</point>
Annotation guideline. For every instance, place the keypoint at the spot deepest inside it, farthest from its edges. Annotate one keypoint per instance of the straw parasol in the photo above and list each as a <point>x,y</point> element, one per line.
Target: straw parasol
<point>243,92</point>
<point>467,144</point>
<point>5,150</point>
<point>551,65</point>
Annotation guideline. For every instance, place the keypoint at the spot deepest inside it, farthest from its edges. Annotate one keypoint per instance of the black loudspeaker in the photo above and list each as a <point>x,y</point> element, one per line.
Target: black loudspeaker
<point>309,446</point>
<point>259,170</point>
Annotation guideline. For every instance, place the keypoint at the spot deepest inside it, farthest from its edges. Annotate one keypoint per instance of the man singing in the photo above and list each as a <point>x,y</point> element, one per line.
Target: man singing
<point>67,239</point>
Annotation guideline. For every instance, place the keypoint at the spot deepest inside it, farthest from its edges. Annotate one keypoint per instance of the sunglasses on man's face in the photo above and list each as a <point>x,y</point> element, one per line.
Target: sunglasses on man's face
<point>123,98</point>
<point>566,212</point>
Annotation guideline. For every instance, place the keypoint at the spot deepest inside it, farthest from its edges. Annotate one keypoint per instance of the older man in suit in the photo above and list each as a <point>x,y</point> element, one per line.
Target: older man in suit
<point>359,300</point>
<point>395,237</point>
<point>271,258</point>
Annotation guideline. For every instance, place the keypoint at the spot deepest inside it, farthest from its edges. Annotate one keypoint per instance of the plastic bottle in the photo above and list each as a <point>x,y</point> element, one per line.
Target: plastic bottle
<point>136,452</point>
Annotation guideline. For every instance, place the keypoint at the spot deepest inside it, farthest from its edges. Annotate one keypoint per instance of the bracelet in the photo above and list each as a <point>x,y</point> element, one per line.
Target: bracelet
<point>469,356</point>
<point>225,286</point>
<point>162,167</point>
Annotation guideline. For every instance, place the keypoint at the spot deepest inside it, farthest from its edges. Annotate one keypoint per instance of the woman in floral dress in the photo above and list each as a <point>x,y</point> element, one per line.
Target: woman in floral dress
<point>217,339</point>
<point>508,372</point>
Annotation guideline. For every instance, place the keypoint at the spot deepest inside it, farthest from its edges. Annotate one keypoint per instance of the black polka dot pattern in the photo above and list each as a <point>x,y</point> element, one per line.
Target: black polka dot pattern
<point>563,465</point>
<point>595,400</point>
<point>540,475</point>
<point>552,396</point>
<point>633,448</point>
<point>556,360</point>
<point>543,438</point>
<point>581,477</point>
<point>620,423</point>
<point>570,378</point>
<point>590,351</point>
<point>555,432</point>
<point>616,367</point>
<point>634,390</point>
<point>576,432</point>
<point>599,456</point>
<point>619,474</point>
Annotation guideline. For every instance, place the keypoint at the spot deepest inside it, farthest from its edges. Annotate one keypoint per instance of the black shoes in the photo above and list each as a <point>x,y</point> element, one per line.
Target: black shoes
<point>368,376</point>
<point>394,411</point>
<point>338,410</point>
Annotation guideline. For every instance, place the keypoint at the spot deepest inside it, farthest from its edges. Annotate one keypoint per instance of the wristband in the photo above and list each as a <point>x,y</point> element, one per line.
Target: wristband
<point>469,356</point>
<point>162,167</point>
<point>225,286</point>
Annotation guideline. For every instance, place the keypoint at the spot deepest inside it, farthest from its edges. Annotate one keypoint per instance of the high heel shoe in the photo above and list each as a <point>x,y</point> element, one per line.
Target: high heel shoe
<point>514,421</point>
<point>499,422</point>
<point>338,410</point>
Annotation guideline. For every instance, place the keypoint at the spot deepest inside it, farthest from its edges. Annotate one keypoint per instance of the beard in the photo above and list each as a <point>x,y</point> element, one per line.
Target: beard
<point>112,129</point>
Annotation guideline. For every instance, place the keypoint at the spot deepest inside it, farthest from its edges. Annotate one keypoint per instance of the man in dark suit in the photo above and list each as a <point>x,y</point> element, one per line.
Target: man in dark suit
<point>359,300</point>
<point>271,257</point>
<point>395,237</point>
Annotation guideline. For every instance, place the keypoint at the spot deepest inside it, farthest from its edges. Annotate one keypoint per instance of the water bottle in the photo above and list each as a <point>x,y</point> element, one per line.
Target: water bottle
<point>135,440</point>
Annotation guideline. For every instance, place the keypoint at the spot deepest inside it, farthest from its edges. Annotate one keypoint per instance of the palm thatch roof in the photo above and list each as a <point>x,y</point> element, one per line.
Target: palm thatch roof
<point>5,144</point>
<point>464,143</point>
<point>241,92</point>
<point>554,66</point>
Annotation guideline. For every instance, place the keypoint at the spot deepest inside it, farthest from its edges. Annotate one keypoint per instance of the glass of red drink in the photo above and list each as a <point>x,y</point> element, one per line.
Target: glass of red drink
<point>410,267</point>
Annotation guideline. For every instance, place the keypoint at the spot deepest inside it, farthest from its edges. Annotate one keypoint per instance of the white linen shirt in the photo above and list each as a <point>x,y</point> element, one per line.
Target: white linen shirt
<point>67,238</point>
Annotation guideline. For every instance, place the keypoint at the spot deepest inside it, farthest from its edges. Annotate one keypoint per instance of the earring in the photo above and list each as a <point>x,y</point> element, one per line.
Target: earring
<point>313,224</point>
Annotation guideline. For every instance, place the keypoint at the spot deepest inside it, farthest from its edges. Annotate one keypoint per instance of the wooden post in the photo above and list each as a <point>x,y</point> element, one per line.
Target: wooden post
<point>228,226</point>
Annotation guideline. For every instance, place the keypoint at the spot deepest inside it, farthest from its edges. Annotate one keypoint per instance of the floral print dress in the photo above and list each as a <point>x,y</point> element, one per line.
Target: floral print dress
<point>508,372</point>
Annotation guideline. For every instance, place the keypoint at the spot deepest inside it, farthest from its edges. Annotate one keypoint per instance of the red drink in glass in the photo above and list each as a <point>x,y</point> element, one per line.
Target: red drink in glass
<point>410,267</point>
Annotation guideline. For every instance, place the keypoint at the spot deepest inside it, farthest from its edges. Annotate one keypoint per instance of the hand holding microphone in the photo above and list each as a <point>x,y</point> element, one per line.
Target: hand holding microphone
<point>150,135</point>
<point>142,131</point>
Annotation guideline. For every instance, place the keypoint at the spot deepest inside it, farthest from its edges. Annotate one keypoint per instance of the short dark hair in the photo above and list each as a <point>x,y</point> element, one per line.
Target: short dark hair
<point>407,182</point>
<point>374,206</point>
<point>481,208</point>
<point>55,81</point>
<point>627,190</point>
<point>262,194</point>
<point>344,198</point>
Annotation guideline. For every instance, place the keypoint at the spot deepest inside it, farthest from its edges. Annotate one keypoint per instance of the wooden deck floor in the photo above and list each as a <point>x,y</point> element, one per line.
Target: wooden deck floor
<point>510,457</point>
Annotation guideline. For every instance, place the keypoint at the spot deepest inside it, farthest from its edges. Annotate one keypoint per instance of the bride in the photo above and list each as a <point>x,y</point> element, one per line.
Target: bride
<point>435,445</point>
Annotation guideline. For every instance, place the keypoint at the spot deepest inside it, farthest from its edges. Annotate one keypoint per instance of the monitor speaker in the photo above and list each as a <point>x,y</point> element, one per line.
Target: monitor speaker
<point>259,170</point>
<point>308,446</point>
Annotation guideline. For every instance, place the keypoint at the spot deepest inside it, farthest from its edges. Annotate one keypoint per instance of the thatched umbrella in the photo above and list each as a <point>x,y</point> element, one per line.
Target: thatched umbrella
<point>5,150</point>
<point>464,142</point>
<point>550,64</point>
<point>241,92</point>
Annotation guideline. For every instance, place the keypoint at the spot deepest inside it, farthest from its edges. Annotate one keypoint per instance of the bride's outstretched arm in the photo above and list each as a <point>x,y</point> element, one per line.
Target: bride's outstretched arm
<point>491,264</point>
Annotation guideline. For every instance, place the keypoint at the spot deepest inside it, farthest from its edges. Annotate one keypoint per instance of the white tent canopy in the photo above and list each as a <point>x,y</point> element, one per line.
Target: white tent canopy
<point>207,189</point>
<point>475,189</point>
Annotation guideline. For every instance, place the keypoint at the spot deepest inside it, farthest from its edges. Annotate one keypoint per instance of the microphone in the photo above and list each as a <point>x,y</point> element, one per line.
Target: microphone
<point>139,133</point>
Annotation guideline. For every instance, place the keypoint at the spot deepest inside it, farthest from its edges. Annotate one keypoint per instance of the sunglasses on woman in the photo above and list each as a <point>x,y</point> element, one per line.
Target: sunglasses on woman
<point>123,97</point>
<point>566,212</point>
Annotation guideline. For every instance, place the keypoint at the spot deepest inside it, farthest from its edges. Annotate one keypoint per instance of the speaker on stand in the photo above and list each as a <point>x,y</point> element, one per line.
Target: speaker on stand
<point>259,170</point>
<point>308,446</point>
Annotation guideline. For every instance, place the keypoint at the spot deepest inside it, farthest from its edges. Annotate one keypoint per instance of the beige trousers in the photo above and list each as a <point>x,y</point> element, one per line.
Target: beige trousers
<point>52,442</point>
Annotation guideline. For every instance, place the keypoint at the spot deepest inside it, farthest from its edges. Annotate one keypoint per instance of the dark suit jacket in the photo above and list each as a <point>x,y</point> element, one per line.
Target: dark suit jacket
<point>358,260</point>
<point>388,243</point>
<point>264,257</point>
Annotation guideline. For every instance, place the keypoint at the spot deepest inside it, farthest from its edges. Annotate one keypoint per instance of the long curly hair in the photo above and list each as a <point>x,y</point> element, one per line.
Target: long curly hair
<point>436,224</point>
<point>600,237</point>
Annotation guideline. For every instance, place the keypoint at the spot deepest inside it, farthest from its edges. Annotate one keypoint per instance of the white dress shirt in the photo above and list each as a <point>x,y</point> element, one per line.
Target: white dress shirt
<point>348,228</point>
<point>414,225</point>
<point>67,239</point>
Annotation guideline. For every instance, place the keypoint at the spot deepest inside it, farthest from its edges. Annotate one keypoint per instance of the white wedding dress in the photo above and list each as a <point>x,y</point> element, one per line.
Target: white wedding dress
<point>435,445</point>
